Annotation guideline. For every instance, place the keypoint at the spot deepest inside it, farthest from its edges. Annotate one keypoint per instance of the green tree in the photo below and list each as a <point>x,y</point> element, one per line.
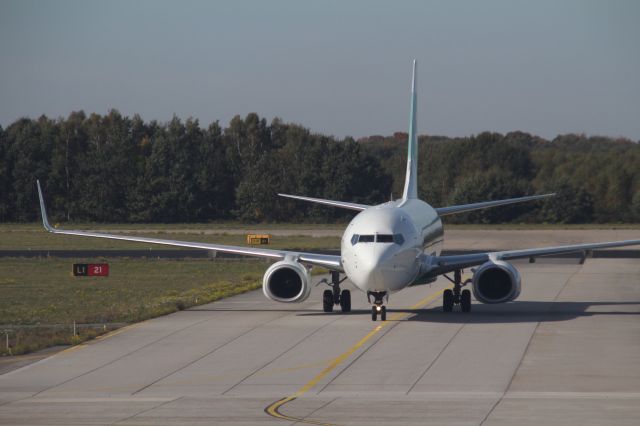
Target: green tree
<point>68,146</point>
<point>492,185</point>
<point>570,205</point>
<point>635,208</point>
<point>5,172</point>
<point>30,152</point>
<point>116,168</point>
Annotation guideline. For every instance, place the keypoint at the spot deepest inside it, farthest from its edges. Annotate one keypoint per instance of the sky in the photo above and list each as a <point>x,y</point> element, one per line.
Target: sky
<point>340,68</point>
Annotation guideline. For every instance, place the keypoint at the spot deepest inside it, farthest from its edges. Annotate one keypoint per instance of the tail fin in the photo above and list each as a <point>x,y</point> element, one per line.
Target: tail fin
<point>411,180</point>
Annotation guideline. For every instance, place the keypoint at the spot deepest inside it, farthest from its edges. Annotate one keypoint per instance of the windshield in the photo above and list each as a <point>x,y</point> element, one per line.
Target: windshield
<point>378,238</point>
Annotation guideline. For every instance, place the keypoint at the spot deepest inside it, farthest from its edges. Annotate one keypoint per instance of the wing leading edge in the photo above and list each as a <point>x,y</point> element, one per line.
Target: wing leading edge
<point>443,264</point>
<point>327,261</point>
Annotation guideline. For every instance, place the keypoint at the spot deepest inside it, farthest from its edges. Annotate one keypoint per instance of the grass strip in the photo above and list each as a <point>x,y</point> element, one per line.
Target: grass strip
<point>40,299</point>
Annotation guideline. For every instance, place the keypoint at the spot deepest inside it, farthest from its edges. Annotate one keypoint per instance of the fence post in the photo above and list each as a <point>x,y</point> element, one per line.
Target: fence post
<point>6,339</point>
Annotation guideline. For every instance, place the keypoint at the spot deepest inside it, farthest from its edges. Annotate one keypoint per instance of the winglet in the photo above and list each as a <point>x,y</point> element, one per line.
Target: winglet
<point>411,180</point>
<point>43,210</point>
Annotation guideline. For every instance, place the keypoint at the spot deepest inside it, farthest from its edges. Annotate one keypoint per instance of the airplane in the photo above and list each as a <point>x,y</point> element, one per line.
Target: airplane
<point>384,249</point>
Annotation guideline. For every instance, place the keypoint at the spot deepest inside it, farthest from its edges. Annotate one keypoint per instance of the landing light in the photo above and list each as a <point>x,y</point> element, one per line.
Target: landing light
<point>378,308</point>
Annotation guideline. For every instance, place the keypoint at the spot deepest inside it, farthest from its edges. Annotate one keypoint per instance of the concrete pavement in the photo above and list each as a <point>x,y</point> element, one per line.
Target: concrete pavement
<point>566,352</point>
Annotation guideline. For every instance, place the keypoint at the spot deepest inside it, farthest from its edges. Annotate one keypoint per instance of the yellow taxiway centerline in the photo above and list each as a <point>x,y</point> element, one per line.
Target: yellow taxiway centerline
<point>274,409</point>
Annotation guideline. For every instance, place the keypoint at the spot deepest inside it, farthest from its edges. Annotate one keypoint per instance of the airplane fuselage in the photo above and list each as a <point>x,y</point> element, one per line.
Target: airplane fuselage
<point>382,246</point>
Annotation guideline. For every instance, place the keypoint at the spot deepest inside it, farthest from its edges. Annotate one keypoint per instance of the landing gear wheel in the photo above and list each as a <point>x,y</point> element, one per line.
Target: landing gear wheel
<point>447,300</point>
<point>383,313</point>
<point>465,301</point>
<point>327,301</point>
<point>374,313</point>
<point>345,301</point>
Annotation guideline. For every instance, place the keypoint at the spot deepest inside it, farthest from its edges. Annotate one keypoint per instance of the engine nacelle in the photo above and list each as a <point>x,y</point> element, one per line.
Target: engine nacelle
<point>287,281</point>
<point>496,282</point>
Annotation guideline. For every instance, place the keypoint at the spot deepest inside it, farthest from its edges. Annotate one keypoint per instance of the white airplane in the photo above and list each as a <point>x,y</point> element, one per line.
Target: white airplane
<point>384,249</point>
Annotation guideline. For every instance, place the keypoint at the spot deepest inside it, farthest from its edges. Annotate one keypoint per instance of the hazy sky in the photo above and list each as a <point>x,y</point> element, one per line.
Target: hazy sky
<point>337,67</point>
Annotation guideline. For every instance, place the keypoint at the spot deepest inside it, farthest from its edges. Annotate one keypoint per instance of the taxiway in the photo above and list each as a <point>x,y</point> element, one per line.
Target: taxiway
<point>566,352</point>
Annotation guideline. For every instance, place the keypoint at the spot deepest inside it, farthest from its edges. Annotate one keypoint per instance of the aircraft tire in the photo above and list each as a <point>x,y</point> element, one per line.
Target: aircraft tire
<point>345,301</point>
<point>465,301</point>
<point>327,301</point>
<point>383,313</point>
<point>374,313</point>
<point>447,300</point>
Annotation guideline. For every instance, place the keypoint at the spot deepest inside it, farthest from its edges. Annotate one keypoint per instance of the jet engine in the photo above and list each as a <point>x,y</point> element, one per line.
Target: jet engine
<point>496,282</point>
<point>287,281</point>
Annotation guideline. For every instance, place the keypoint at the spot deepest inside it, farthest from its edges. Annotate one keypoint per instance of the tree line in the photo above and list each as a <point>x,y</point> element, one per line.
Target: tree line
<point>114,168</point>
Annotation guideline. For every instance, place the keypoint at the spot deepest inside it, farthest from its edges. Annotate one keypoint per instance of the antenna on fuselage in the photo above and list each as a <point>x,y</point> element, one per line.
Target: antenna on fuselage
<point>411,180</point>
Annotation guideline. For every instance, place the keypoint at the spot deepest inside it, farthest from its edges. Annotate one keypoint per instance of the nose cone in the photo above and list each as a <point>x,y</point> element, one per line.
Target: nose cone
<point>374,270</point>
<point>370,275</point>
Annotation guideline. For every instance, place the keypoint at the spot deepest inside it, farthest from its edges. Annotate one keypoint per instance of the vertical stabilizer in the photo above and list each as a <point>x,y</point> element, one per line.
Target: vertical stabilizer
<point>411,180</point>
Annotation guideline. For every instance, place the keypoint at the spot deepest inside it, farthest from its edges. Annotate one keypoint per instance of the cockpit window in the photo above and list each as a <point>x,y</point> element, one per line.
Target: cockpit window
<point>384,238</point>
<point>378,238</point>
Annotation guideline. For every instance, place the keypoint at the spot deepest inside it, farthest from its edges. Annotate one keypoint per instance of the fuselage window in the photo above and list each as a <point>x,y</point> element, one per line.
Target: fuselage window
<point>366,238</point>
<point>354,239</point>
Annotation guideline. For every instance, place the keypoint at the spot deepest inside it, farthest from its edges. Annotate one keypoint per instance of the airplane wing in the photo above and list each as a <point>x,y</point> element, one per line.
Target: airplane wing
<point>341,204</point>
<point>331,262</point>
<point>443,264</point>
<point>443,211</point>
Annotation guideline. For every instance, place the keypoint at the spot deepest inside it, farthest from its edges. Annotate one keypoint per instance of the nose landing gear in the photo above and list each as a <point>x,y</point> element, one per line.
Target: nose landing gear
<point>378,308</point>
<point>335,296</point>
<point>456,296</point>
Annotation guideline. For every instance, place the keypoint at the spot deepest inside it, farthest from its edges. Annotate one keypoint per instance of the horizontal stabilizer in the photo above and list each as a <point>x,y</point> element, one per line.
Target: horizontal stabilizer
<point>443,211</point>
<point>341,204</point>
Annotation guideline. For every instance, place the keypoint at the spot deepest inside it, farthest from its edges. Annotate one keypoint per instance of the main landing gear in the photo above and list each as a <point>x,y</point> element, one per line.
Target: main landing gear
<point>335,296</point>
<point>378,308</point>
<point>456,296</point>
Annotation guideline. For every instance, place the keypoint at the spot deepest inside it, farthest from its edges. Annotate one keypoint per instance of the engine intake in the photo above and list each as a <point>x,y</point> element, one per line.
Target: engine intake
<point>286,281</point>
<point>496,282</point>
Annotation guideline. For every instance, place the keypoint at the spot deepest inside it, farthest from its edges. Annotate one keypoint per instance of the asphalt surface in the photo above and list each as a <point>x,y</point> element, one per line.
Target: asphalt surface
<point>567,352</point>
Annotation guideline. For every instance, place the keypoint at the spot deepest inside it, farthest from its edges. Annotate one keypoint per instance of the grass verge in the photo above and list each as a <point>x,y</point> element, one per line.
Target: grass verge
<point>40,300</point>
